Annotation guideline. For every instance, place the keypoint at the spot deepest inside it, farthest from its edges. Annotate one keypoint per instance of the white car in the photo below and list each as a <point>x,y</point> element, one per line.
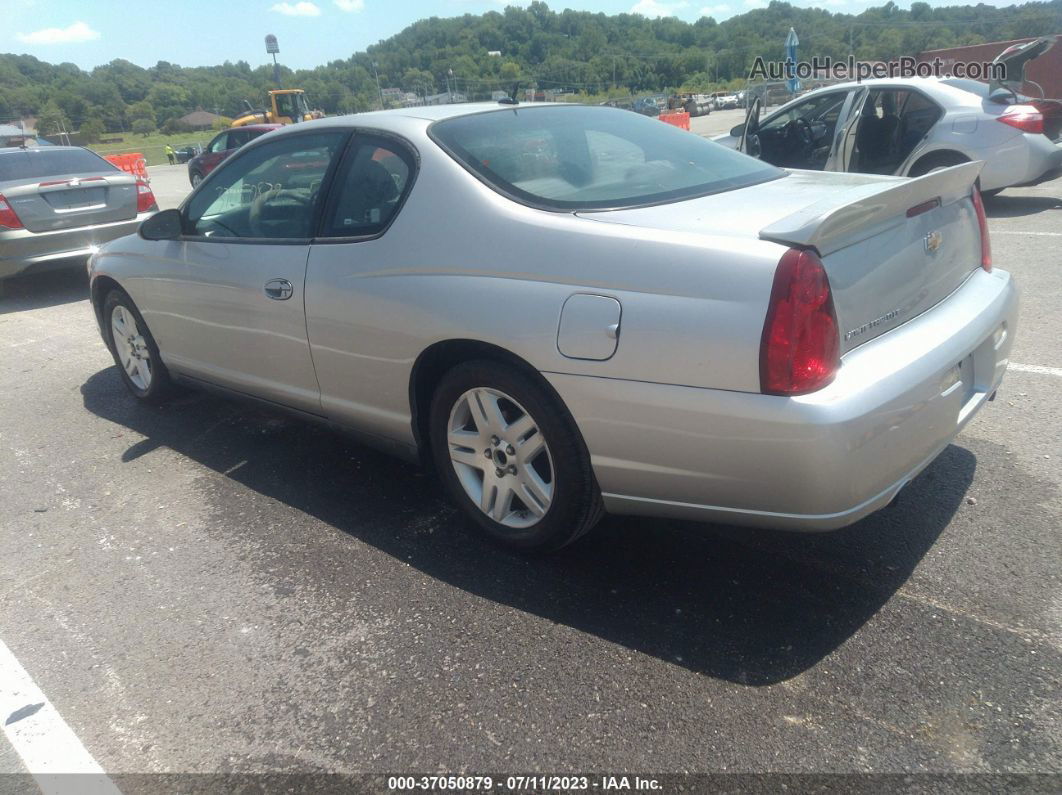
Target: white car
<point>911,126</point>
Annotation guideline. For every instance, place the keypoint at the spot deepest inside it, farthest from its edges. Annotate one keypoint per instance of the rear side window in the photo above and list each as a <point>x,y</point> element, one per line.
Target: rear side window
<point>585,158</point>
<point>30,164</point>
<point>368,189</point>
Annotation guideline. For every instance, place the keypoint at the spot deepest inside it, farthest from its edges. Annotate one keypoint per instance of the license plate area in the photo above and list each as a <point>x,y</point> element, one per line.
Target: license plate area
<point>79,199</point>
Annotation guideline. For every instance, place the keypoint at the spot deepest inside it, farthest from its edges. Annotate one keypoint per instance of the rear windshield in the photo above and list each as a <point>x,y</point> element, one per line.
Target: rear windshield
<point>593,158</point>
<point>30,164</point>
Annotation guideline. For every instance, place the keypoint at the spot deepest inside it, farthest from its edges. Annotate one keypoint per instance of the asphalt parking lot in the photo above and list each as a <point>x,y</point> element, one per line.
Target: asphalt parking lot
<point>208,586</point>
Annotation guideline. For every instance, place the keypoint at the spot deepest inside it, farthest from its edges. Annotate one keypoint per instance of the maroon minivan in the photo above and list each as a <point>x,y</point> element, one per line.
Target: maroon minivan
<point>224,144</point>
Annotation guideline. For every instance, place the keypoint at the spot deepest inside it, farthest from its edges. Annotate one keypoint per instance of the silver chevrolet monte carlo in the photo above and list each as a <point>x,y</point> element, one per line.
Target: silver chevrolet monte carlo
<point>567,310</point>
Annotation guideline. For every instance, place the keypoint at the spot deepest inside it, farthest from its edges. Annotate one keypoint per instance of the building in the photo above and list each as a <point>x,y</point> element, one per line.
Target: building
<point>1046,71</point>
<point>200,119</point>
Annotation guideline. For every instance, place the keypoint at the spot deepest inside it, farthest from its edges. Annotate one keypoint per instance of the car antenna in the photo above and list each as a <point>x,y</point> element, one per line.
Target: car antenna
<point>511,99</point>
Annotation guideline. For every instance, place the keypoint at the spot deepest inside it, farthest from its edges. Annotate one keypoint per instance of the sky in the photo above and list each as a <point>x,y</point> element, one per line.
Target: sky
<point>310,32</point>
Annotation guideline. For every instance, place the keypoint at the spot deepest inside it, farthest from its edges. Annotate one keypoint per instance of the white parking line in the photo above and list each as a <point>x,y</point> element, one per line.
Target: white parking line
<point>1035,368</point>
<point>1033,234</point>
<point>46,745</point>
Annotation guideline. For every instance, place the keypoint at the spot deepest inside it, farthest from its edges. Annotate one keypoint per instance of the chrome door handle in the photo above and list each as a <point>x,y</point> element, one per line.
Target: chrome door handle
<point>279,289</point>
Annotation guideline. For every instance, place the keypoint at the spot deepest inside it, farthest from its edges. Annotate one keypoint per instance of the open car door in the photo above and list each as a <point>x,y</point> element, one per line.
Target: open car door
<point>844,137</point>
<point>1015,59</point>
<point>750,139</point>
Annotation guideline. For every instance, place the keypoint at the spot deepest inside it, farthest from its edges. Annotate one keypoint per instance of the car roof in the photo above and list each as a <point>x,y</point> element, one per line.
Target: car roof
<point>4,149</point>
<point>400,119</point>
<point>934,86</point>
<point>262,127</point>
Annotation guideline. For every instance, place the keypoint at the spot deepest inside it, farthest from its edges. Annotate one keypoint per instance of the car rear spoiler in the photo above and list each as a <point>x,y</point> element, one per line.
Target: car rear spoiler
<point>854,214</point>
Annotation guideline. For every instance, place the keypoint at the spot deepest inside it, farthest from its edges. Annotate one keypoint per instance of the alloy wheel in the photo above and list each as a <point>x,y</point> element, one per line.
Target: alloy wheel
<point>132,349</point>
<point>501,457</point>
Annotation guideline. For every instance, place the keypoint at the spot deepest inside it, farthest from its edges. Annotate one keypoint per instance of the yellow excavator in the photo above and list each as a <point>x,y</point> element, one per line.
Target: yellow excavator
<point>287,106</point>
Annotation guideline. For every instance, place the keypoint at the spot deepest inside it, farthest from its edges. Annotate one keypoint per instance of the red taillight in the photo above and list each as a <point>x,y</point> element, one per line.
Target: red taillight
<point>8,219</point>
<point>982,223</point>
<point>799,349</point>
<point>1026,118</point>
<point>145,199</point>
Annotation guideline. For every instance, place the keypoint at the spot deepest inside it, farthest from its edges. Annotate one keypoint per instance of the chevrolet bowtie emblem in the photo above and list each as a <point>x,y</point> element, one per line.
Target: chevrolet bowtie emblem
<point>932,241</point>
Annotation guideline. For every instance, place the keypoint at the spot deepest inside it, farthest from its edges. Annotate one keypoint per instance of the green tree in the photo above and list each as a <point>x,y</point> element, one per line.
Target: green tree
<point>51,120</point>
<point>143,127</point>
<point>141,110</point>
<point>91,131</point>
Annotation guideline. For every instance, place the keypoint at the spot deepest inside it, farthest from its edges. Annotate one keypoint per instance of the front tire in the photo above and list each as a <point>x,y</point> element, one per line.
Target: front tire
<point>511,458</point>
<point>134,349</point>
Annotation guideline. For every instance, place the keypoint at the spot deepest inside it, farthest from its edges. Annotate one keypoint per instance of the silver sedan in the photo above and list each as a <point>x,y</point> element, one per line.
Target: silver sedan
<point>566,310</point>
<point>58,203</point>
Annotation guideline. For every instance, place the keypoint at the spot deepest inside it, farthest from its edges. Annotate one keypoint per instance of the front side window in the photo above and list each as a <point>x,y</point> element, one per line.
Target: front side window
<point>271,191</point>
<point>219,144</point>
<point>368,189</point>
<point>591,157</point>
<point>238,138</point>
<point>824,108</point>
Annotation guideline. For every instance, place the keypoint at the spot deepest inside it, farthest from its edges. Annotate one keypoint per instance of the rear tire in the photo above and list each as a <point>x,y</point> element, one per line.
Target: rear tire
<point>195,178</point>
<point>134,349</point>
<point>510,457</point>
<point>936,161</point>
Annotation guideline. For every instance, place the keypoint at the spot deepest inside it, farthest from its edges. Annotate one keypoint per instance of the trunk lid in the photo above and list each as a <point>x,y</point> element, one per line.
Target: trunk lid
<point>892,247</point>
<point>71,201</point>
<point>1014,59</point>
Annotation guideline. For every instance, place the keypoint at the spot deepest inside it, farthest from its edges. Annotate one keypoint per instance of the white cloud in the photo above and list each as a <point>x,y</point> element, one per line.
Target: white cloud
<point>73,34</point>
<point>656,8</point>
<point>714,11</point>
<point>303,9</point>
<point>755,3</point>
<point>350,6</point>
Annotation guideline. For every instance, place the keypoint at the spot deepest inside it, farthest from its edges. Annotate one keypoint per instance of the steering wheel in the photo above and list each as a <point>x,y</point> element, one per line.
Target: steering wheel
<point>255,218</point>
<point>800,129</point>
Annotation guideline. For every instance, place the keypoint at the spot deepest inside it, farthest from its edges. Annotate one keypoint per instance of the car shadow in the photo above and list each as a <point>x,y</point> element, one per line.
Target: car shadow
<point>753,607</point>
<point>40,290</point>
<point>1004,206</point>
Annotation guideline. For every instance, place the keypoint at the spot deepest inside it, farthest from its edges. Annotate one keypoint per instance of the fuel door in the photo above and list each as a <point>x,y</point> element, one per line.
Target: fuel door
<point>589,327</point>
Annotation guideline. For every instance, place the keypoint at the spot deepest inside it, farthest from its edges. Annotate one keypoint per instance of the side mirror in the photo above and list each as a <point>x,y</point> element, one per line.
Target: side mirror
<point>165,225</point>
<point>737,131</point>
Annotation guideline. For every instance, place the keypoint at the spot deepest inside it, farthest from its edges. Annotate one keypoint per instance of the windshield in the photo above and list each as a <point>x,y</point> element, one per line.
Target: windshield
<point>585,157</point>
<point>37,163</point>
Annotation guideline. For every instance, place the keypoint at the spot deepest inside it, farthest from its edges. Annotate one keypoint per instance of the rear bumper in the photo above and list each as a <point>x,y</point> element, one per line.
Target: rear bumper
<point>1045,159</point>
<point>1025,159</point>
<point>816,462</point>
<point>22,250</point>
